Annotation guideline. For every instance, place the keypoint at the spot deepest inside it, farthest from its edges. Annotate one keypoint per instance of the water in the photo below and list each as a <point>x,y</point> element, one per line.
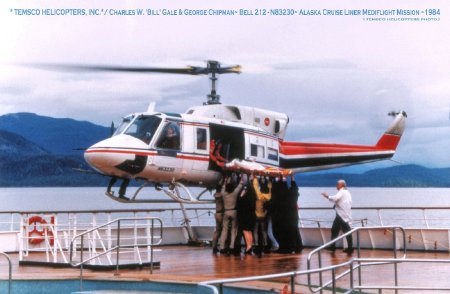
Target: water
<point>82,199</point>
<point>73,286</point>
<point>400,198</point>
<point>97,286</point>
<point>62,199</point>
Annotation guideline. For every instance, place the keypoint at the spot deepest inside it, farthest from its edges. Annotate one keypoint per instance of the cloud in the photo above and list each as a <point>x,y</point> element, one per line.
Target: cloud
<point>317,64</point>
<point>336,78</point>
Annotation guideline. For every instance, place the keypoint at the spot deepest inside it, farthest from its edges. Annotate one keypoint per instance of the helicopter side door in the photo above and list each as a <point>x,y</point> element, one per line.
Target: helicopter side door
<point>168,146</point>
<point>201,148</point>
<point>196,153</point>
<point>227,142</point>
<point>195,146</point>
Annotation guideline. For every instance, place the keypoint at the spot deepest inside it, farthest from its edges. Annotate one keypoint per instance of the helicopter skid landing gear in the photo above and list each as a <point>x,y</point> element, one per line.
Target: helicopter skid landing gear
<point>174,192</point>
<point>122,199</point>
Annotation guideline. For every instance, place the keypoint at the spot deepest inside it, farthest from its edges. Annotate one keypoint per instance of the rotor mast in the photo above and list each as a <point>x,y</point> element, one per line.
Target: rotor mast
<point>213,69</point>
<point>213,97</point>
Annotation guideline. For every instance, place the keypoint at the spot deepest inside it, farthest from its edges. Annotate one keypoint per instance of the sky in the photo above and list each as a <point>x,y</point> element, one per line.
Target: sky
<point>336,77</point>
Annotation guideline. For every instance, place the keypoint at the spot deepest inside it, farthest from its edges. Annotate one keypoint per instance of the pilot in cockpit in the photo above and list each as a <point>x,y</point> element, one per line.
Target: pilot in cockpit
<point>171,138</point>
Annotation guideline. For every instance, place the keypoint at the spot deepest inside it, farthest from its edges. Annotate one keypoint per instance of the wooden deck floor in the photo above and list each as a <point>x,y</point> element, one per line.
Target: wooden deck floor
<point>196,264</point>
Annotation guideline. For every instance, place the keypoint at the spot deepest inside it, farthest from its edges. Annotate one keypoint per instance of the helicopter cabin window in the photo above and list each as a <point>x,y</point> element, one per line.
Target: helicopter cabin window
<point>272,154</point>
<point>257,150</point>
<point>123,125</point>
<point>201,139</point>
<point>143,128</point>
<point>170,137</point>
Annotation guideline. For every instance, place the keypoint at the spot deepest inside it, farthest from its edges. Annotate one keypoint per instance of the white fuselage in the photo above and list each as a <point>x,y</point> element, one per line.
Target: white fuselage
<point>162,148</point>
<point>135,153</point>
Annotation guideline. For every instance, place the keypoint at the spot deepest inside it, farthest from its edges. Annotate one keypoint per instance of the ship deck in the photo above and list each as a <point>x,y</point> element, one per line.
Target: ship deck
<point>186,264</point>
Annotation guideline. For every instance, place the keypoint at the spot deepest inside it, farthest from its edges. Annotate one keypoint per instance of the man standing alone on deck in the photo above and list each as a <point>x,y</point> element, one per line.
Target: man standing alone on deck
<point>343,205</point>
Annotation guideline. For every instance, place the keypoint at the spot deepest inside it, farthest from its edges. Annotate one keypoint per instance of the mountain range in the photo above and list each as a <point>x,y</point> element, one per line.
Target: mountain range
<point>57,135</point>
<point>408,175</point>
<point>39,151</point>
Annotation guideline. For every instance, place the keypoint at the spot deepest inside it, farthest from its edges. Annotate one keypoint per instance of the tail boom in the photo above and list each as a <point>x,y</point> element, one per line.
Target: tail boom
<point>302,157</point>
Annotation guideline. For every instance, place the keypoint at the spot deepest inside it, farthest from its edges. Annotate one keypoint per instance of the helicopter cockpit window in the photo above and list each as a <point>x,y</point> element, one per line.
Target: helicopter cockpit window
<point>170,137</point>
<point>123,125</point>
<point>143,128</point>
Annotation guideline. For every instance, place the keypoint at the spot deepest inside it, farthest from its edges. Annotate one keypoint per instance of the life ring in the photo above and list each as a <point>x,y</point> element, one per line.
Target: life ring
<point>36,236</point>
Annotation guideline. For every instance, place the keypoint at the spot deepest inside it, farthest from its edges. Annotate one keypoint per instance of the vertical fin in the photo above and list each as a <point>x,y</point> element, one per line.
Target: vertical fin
<point>390,139</point>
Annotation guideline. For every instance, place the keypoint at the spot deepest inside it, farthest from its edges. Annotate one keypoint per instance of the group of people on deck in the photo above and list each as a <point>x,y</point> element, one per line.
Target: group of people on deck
<point>261,210</point>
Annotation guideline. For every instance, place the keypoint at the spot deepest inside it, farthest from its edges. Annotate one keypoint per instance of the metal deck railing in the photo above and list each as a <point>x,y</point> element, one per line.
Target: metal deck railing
<point>429,235</point>
<point>217,286</point>
<point>353,264</point>
<point>79,243</point>
<point>318,251</point>
<point>201,215</point>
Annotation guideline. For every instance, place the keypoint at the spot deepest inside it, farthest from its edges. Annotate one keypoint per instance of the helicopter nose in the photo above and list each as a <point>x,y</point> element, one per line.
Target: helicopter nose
<point>99,159</point>
<point>108,155</point>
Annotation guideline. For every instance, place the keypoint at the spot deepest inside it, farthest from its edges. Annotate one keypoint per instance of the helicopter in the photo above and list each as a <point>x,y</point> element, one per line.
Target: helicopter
<point>177,151</point>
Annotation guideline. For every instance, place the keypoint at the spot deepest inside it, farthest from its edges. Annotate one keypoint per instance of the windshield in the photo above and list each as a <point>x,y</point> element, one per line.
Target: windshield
<point>123,125</point>
<point>144,127</point>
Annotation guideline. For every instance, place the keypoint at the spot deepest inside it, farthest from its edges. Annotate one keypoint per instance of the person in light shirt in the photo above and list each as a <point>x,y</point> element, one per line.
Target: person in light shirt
<point>343,206</point>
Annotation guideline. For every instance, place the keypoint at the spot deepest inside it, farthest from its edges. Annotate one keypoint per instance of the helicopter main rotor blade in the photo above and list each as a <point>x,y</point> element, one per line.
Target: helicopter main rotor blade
<point>213,68</point>
<point>231,69</point>
<point>107,68</point>
<point>189,70</point>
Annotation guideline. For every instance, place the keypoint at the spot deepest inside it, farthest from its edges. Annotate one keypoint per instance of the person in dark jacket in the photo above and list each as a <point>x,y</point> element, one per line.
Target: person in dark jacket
<point>294,238</point>
<point>246,205</point>
<point>285,217</point>
<point>280,191</point>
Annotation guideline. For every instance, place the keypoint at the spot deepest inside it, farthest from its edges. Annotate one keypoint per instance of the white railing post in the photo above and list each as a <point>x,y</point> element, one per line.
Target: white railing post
<point>149,240</point>
<point>74,223</point>
<point>109,236</point>
<point>53,228</point>
<point>21,237</point>
<point>379,217</point>
<point>425,218</point>
<point>135,239</point>
<point>300,219</point>
<point>11,227</point>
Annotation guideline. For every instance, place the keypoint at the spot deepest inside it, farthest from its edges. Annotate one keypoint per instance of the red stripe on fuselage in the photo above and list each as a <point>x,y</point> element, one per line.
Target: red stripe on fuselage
<point>192,157</point>
<point>142,153</point>
<point>297,148</point>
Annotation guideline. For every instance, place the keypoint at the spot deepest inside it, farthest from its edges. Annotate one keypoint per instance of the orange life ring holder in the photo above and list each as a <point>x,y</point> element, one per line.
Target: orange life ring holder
<point>36,236</point>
